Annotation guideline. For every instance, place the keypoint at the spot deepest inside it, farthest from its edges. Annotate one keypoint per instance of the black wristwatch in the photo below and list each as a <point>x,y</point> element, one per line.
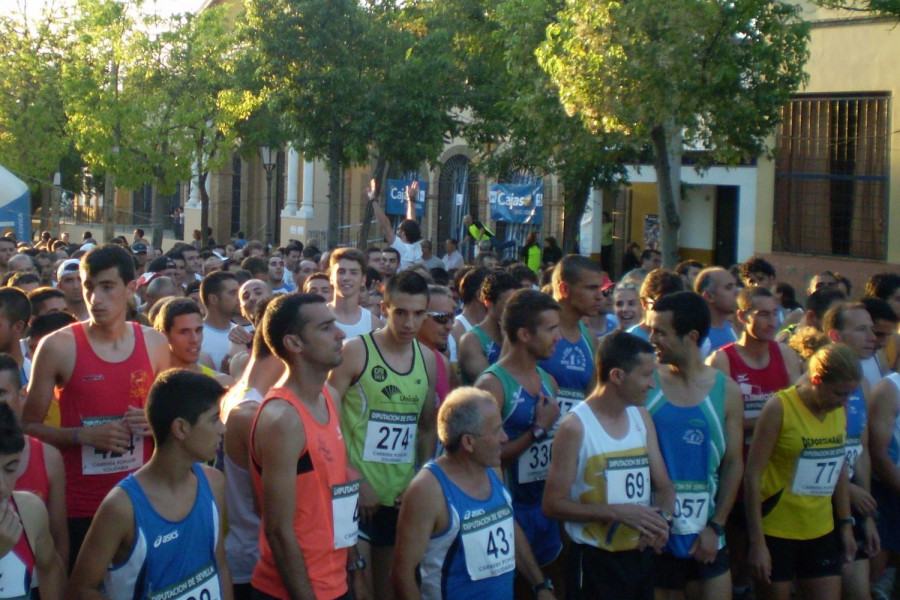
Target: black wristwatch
<point>719,530</point>
<point>544,585</point>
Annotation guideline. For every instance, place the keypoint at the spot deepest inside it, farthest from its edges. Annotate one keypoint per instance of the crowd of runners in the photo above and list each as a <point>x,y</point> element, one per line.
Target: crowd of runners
<point>236,421</point>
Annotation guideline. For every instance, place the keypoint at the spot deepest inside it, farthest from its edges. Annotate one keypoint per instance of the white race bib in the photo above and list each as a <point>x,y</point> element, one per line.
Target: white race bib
<point>852,449</point>
<point>489,543</point>
<point>567,400</point>
<point>100,462</point>
<point>345,513</point>
<point>200,586</point>
<point>817,471</point>
<point>534,463</point>
<point>691,508</point>
<point>628,480</point>
<point>391,437</point>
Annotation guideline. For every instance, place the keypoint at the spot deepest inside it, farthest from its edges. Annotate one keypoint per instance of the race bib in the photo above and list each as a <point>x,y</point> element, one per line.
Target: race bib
<point>754,400</point>
<point>628,480</point>
<point>489,543</point>
<point>691,507</point>
<point>100,462</point>
<point>203,585</point>
<point>567,400</point>
<point>391,437</point>
<point>852,449</point>
<point>817,471</point>
<point>345,514</point>
<point>534,463</point>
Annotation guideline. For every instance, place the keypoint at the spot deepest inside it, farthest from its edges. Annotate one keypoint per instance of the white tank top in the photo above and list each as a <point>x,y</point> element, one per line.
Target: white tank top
<point>242,541</point>
<point>363,325</point>
<point>609,471</point>
<point>465,322</point>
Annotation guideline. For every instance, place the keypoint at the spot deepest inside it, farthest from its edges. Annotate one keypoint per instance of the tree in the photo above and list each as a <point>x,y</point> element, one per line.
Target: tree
<point>887,8</point>
<point>313,66</point>
<point>709,73</point>
<point>33,139</point>
<point>541,137</point>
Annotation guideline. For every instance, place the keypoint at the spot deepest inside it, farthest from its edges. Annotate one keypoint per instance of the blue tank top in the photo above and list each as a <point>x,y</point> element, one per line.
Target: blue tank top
<point>169,560</point>
<point>572,366</point>
<point>490,348</point>
<point>721,336</point>
<point>856,424</point>
<point>692,443</point>
<point>474,558</point>
<point>525,477</point>
<point>639,331</point>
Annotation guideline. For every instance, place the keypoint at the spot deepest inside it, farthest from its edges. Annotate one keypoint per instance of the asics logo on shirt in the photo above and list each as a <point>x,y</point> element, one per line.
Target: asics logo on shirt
<point>164,539</point>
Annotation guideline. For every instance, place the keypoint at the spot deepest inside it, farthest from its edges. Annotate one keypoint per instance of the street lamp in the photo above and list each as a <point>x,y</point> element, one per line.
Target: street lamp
<point>269,157</point>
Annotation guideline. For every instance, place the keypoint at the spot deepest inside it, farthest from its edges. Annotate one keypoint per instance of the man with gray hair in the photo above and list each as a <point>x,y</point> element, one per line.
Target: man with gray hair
<point>441,527</point>
<point>718,287</point>
<point>161,287</point>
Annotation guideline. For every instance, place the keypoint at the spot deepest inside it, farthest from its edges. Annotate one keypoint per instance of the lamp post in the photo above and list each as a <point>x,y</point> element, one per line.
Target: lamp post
<point>269,157</point>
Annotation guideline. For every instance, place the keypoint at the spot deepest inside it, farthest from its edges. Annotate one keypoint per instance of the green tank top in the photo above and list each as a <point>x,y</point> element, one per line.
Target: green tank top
<point>379,420</point>
<point>488,346</point>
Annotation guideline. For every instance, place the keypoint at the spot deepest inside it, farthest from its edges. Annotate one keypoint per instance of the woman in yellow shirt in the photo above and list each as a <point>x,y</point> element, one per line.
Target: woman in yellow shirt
<point>796,481</point>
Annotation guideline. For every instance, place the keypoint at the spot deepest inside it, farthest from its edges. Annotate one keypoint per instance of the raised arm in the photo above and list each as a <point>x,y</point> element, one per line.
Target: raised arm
<point>383,221</point>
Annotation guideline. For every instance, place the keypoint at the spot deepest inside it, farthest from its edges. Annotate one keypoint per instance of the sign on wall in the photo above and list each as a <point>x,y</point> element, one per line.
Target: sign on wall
<point>395,197</point>
<point>517,203</point>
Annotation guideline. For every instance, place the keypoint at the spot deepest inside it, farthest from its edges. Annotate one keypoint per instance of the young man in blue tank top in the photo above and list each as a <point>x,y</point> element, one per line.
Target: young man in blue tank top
<point>605,472</point>
<point>577,287</point>
<point>480,347</point>
<point>525,395</point>
<point>698,414</point>
<point>160,531</point>
<point>456,524</point>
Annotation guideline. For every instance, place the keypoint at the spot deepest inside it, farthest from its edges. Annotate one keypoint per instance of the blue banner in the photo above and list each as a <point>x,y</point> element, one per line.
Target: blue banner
<point>517,203</point>
<point>395,197</point>
<point>15,206</point>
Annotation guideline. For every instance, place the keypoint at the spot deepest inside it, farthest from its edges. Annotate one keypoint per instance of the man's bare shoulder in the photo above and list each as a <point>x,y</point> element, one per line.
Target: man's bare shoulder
<point>61,340</point>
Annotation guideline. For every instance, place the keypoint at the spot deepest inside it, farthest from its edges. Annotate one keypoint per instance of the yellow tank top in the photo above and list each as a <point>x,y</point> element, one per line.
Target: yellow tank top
<point>799,480</point>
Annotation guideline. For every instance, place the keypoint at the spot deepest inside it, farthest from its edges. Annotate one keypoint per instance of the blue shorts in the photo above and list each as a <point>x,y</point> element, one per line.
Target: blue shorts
<point>542,533</point>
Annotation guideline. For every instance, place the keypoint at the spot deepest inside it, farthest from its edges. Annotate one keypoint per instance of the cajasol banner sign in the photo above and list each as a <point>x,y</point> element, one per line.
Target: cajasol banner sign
<point>15,206</point>
<point>395,197</point>
<point>517,203</point>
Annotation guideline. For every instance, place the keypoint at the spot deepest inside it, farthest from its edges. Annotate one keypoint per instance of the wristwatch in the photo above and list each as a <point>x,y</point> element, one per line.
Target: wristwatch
<point>719,530</point>
<point>358,565</point>
<point>544,585</point>
<point>539,433</point>
<point>851,522</point>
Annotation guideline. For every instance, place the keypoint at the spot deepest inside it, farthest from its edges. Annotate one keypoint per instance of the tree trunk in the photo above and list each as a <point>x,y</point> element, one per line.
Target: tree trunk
<point>369,212</point>
<point>204,208</point>
<point>157,216</point>
<point>109,208</point>
<point>574,202</point>
<point>335,156</point>
<point>667,151</point>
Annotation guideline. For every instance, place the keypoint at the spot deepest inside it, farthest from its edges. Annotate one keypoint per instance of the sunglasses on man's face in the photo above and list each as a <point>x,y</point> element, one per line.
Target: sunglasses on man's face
<point>442,318</point>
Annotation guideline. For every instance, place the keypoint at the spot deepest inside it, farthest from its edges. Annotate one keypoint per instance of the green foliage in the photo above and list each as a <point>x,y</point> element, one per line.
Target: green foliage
<point>887,8</point>
<point>713,72</point>
<point>32,118</point>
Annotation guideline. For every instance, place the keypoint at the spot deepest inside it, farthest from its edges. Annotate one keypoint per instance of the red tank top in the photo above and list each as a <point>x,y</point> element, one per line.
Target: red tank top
<point>757,385</point>
<point>99,391</point>
<point>35,479</point>
<point>17,567</point>
<point>442,382</point>
<point>321,472</point>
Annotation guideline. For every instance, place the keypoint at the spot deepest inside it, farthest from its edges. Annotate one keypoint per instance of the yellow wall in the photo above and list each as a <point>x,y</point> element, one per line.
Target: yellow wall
<point>847,54</point>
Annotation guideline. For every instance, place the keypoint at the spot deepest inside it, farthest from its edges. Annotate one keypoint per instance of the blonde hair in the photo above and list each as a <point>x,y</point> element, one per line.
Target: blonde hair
<point>806,340</point>
<point>835,363</point>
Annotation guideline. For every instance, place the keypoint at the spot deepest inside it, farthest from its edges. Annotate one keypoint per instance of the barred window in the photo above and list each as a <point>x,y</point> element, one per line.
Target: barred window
<point>831,175</point>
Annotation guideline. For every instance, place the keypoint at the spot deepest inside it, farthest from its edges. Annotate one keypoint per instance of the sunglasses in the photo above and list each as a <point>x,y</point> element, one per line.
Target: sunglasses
<point>441,318</point>
<point>608,292</point>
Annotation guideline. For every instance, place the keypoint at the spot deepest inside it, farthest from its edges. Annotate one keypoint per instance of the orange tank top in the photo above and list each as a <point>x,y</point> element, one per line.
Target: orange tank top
<point>321,479</point>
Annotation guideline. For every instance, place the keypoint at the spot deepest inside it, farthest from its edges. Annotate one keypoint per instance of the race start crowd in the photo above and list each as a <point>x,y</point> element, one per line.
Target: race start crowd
<point>228,422</point>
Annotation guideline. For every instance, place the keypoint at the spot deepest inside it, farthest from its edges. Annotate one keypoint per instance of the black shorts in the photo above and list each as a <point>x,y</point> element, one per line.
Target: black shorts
<point>594,574</point>
<point>804,559</point>
<point>673,573</point>
<point>737,518</point>
<point>78,528</point>
<point>382,529</point>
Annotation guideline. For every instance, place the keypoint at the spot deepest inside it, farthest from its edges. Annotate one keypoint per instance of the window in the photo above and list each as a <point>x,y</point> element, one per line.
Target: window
<point>831,176</point>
